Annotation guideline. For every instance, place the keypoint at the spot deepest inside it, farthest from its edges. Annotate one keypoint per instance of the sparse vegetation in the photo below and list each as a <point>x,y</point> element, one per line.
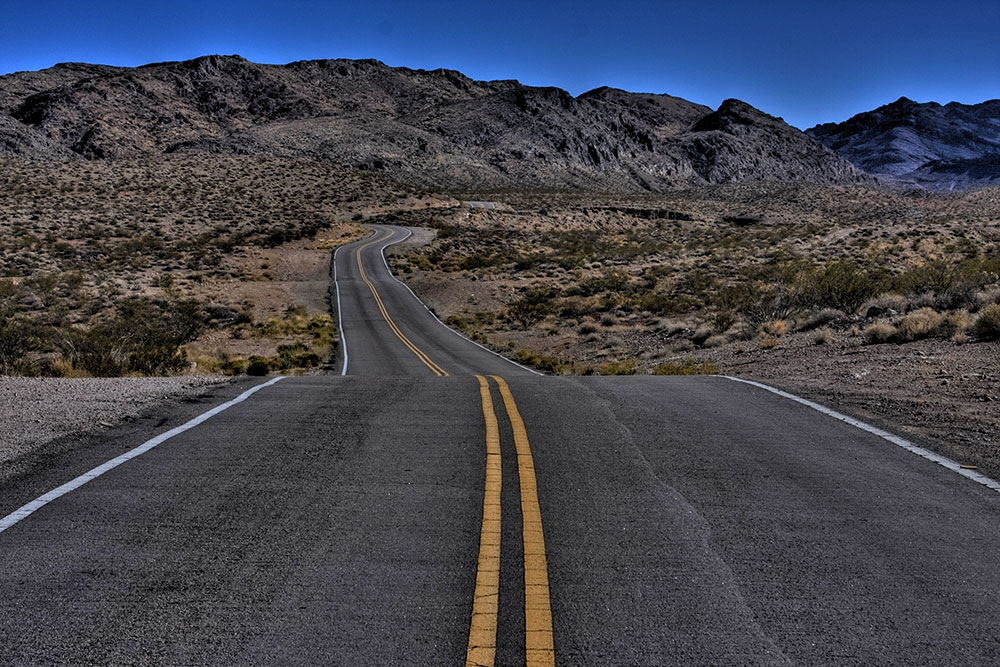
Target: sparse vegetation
<point>687,367</point>
<point>605,283</point>
<point>97,259</point>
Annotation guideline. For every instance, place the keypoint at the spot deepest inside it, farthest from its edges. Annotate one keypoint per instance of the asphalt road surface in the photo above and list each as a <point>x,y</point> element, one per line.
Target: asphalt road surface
<point>430,503</point>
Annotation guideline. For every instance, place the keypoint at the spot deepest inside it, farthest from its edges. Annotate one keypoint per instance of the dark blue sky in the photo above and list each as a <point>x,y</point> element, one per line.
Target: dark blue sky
<point>807,61</point>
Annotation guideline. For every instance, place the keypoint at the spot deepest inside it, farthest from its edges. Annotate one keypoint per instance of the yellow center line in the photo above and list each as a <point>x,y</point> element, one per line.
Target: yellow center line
<point>537,609</point>
<point>420,354</point>
<point>483,630</point>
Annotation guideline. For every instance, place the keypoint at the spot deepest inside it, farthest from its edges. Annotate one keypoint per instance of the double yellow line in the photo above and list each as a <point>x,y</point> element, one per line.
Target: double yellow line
<point>540,650</point>
<point>481,652</point>
<point>421,355</point>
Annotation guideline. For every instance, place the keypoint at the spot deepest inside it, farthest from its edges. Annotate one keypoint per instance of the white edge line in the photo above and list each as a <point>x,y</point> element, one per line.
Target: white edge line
<point>409,233</point>
<point>979,478</point>
<point>340,317</point>
<point>22,513</point>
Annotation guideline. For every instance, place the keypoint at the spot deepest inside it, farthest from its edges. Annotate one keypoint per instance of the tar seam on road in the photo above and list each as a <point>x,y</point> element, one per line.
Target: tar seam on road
<point>420,354</point>
<point>537,604</point>
<point>885,435</point>
<point>409,233</point>
<point>22,513</point>
<point>481,651</point>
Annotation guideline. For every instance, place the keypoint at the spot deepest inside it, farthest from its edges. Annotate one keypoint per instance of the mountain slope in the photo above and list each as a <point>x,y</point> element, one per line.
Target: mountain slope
<point>438,127</point>
<point>935,146</point>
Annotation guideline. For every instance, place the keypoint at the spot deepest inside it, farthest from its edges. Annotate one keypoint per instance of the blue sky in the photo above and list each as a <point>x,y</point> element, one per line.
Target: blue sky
<point>808,62</point>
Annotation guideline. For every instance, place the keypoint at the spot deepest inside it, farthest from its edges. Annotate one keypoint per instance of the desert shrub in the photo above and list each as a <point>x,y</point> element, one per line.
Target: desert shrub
<point>628,367</point>
<point>687,367</point>
<point>296,322</point>
<point>757,302</point>
<point>717,340</point>
<point>577,307</point>
<point>723,320</point>
<point>884,304</point>
<point>295,355</point>
<point>587,328</point>
<point>542,362</point>
<point>822,336</point>
<point>775,327</point>
<point>955,325</point>
<point>960,278</point>
<point>667,304</point>
<point>984,298</point>
<point>258,366</point>
<point>768,342</point>
<point>482,261</point>
<point>843,285</point>
<point>531,308</point>
<point>822,318</point>
<point>920,324</point>
<point>615,281</point>
<point>987,323</point>
<point>233,366</point>
<point>879,332</point>
<point>143,337</point>
<point>19,339</point>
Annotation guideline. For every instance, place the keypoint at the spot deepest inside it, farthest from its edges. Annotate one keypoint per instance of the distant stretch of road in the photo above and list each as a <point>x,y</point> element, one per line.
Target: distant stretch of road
<point>432,503</point>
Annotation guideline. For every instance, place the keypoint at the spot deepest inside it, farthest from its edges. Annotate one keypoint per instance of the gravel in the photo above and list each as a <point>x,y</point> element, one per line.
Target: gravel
<point>35,411</point>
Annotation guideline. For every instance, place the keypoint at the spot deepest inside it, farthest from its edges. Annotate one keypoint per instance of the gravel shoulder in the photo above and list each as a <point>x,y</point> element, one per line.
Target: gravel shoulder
<point>37,411</point>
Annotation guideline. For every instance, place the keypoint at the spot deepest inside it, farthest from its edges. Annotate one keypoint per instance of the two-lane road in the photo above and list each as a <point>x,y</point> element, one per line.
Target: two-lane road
<point>437,504</point>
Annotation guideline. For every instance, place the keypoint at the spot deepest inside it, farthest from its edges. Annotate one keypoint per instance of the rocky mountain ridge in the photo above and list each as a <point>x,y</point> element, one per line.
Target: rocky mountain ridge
<point>434,127</point>
<point>934,146</point>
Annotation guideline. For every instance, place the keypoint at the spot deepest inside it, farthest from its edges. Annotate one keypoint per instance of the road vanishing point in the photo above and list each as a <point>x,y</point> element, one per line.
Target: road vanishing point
<point>432,503</point>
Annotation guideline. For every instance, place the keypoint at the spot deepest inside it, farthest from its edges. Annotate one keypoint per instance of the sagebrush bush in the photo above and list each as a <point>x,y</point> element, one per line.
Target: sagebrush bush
<point>879,332</point>
<point>987,323</point>
<point>920,324</point>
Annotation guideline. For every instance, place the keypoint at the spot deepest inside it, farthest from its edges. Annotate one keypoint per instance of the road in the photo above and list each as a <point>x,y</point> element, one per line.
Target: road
<point>430,503</point>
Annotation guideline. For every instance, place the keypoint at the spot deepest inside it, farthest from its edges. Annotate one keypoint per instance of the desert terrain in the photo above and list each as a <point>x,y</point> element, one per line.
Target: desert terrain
<point>883,304</point>
<point>178,219</point>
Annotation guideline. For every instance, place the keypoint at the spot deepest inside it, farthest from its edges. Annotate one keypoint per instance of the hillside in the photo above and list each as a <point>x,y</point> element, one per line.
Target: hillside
<point>937,147</point>
<point>432,127</point>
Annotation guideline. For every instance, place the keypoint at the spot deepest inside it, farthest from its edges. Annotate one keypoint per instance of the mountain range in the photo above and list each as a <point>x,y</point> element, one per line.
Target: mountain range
<point>441,128</point>
<point>938,147</point>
